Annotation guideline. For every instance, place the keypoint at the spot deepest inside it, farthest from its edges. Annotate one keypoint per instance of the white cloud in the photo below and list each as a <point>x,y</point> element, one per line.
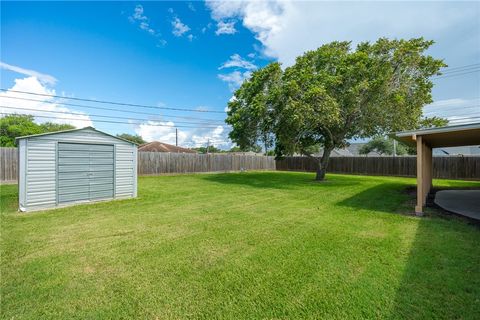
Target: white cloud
<point>236,61</point>
<point>191,7</point>
<point>234,79</point>
<point>232,99</point>
<point>161,43</point>
<point>44,78</point>
<point>286,29</point>
<point>190,37</point>
<point>163,131</point>
<point>179,28</point>
<point>195,137</point>
<point>242,71</point>
<point>457,111</point>
<point>225,28</point>
<point>207,27</point>
<point>145,26</point>
<point>217,137</point>
<point>138,13</point>
<point>40,107</point>
<point>143,22</point>
<point>202,108</point>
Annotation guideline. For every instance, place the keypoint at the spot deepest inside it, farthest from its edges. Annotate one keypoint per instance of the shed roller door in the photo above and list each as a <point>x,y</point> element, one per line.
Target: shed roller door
<point>85,172</point>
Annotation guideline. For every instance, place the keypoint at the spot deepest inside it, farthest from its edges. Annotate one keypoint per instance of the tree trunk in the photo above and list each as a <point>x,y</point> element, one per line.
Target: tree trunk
<point>323,163</point>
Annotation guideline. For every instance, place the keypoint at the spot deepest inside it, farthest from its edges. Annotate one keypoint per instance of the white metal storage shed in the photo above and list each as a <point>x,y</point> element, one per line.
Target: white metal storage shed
<point>67,167</point>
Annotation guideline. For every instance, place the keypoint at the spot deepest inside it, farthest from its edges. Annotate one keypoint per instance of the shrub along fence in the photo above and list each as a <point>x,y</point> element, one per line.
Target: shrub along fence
<point>451,167</point>
<point>157,163</point>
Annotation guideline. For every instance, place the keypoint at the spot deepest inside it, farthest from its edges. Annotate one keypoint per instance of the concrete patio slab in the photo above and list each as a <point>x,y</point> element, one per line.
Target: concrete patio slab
<point>463,202</point>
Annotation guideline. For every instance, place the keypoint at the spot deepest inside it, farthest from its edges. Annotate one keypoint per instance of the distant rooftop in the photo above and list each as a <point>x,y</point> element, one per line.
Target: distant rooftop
<point>157,146</point>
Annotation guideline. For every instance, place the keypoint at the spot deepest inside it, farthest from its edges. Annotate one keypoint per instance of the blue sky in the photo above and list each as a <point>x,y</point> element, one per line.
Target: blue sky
<point>193,54</point>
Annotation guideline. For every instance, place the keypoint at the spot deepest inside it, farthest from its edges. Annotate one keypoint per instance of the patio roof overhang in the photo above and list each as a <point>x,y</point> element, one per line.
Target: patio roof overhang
<point>425,140</point>
<point>451,136</point>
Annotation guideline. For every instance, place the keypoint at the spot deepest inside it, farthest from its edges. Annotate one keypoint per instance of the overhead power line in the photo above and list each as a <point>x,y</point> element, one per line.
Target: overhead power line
<point>466,111</point>
<point>456,74</point>
<point>462,117</point>
<point>467,66</point>
<point>458,71</point>
<point>108,121</point>
<point>110,102</point>
<point>452,106</point>
<point>111,109</point>
<point>472,119</point>
<point>102,116</point>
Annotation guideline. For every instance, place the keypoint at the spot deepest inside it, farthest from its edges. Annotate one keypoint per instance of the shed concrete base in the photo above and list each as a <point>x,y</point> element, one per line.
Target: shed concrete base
<point>463,202</point>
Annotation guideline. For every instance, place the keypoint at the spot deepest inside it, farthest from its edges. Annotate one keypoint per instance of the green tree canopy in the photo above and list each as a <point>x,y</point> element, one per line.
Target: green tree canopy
<point>17,125</point>
<point>383,145</point>
<point>135,138</point>
<point>211,149</point>
<point>52,127</point>
<point>334,94</point>
<point>251,110</point>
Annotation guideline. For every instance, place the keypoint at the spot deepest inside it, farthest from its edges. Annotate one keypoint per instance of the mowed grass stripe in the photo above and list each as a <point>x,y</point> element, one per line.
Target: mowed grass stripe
<point>247,245</point>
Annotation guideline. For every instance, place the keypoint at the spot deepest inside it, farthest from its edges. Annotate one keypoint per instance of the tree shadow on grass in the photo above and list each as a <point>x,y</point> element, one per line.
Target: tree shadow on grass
<point>384,197</point>
<point>441,277</point>
<point>279,180</point>
<point>441,274</point>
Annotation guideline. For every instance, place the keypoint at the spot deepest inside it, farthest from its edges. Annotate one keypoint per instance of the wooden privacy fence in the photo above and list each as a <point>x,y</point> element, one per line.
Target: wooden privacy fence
<point>157,163</point>
<point>451,167</point>
<point>8,164</point>
<point>162,163</point>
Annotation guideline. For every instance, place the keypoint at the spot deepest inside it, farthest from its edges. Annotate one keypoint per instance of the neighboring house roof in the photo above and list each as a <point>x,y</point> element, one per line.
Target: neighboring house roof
<point>247,153</point>
<point>341,153</point>
<point>351,151</point>
<point>73,130</point>
<point>355,147</point>
<point>157,146</point>
<point>455,151</point>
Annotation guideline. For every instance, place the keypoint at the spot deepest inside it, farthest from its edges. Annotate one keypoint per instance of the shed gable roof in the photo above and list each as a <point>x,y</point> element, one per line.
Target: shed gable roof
<point>74,130</point>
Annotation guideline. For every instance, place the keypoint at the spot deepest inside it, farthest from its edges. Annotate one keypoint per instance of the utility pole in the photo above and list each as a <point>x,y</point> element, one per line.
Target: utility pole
<point>176,137</point>
<point>208,144</point>
<point>394,147</point>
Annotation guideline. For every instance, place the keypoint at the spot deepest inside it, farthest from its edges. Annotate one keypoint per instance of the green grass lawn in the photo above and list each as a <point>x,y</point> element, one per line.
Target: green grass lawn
<point>248,245</point>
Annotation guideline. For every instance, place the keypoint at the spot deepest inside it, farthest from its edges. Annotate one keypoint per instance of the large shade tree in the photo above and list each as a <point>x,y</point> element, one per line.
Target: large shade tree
<point>334,94</point>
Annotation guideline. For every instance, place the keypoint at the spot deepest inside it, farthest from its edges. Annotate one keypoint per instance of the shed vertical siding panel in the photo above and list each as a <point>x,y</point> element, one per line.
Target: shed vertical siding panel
<point>125,171</point>
<point>40,173</point>
<point>22,149</point>
<point>135,174</point>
